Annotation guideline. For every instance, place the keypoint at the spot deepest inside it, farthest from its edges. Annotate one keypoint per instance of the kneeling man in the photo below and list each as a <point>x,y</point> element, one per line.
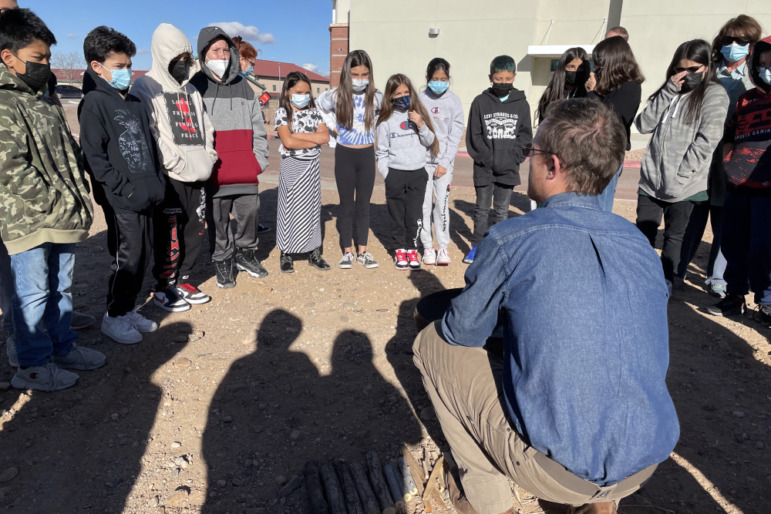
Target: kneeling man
<point>577,410</point>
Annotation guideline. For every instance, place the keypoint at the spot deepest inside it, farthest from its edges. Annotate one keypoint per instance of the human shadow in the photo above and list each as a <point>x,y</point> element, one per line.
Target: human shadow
<point>399,349</point>
<point>82,456</point>
<point>274,411</point>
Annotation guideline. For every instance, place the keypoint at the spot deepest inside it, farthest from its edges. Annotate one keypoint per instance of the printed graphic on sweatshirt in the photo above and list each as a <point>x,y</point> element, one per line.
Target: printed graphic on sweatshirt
<point>358,134</point>
<point>306,121</point>
<point>132,145</point>
<point>185,126</point>
<point>501,125</point>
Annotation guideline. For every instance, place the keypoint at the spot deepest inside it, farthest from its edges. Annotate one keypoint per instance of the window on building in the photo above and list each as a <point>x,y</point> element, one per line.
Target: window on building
<point>318,90</point>
<point>274,87</point>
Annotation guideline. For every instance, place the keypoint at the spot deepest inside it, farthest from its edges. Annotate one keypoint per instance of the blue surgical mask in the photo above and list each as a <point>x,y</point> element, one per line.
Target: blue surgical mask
<point>301,101</point>
<point>765,74</point>
<point>438,87</point>
<point>735,52</point>
<point>402,103</point>
<point>360,85</point>
<point>121,79</point>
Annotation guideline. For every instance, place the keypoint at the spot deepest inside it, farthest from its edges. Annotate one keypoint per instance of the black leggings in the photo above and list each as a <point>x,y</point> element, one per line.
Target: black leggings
<point>355,177</point>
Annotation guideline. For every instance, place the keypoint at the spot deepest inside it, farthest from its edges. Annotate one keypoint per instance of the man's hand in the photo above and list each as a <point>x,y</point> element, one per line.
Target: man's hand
<point>440,170</point>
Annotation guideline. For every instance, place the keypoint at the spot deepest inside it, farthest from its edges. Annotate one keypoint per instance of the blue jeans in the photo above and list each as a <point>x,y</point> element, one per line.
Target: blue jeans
<point>606,197</point>
<point>746,244</point>
<point>692,239</point>
<point>42,302</point>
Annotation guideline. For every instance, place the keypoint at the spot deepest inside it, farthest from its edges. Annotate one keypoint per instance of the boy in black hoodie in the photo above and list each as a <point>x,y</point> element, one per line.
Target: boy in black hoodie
<point>498,131</point>
<point>122,160</point>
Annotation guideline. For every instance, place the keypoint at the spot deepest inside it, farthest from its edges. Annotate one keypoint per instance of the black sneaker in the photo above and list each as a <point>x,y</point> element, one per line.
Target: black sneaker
<point>286,264</point>
<point>192,294</point>
<point>226,273</point>
<point>261,229</point>
<point>317,261</point>
<point>246,260</point>
<point>763,315</point>
<point>169,300</point>
<point>731,305</point>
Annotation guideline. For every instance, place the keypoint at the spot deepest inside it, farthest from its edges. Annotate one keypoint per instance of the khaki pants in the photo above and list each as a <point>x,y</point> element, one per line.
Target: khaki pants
<point>464,386</point>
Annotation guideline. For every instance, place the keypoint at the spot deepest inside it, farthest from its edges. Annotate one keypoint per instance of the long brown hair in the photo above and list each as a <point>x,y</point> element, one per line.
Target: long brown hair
<point>742,24</point>
<point>344,106</point>
<point>615,61</point>
<point>292,78</point>
<point>387,109</point>
<point>696,50</point>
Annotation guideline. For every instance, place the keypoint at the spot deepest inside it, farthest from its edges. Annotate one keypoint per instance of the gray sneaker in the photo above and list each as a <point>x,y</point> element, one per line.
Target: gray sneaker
<point>346,262</point>
<point>44,378</point>
<point>81,359</point>
<point>366,260</point>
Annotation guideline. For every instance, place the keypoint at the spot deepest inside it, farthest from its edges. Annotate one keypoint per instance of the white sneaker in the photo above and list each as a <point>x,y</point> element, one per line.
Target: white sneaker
<point>141,323</point>
<point>120,329</point>
<point>81,358</point>
<point>429,256</point>
<point>443,257</point>
<point>346,262</point>
<point>44,378</point>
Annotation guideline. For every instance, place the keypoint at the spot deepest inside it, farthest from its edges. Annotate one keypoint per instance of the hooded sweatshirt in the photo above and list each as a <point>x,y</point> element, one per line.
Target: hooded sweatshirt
<point>497,135</point>
<point>182,128</point>
<point>748,164</point>
<point>446,114</point>
<point>676,163</point>
<point>400,146</point>
<point>121,155</point>
<point>240,138</point>
<point>43,190</point>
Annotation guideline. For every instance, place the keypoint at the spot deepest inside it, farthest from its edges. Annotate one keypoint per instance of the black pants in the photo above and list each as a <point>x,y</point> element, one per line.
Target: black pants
<point>676,215</point>
<point>355,177</point>
<point>129,241</point>
<point>179,225</point>
<point>500,196</point>
<point>404,195</point>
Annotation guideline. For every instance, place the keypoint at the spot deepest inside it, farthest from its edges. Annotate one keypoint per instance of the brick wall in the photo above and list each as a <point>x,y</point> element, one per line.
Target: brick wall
<point>338,49</point>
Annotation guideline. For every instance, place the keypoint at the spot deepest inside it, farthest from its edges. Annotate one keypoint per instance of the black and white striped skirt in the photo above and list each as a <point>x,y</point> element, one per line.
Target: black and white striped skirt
<point>299,205</point>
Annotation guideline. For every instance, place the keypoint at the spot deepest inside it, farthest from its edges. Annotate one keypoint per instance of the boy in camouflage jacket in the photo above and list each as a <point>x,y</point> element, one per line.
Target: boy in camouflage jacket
<point>44,208</point>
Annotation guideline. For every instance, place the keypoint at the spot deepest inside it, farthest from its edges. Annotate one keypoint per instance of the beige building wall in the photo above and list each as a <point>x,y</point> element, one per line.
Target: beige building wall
<point>396,35</point>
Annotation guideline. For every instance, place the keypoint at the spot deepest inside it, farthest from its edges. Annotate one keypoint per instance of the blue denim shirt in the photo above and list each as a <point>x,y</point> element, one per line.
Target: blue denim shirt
<point>580,298</point>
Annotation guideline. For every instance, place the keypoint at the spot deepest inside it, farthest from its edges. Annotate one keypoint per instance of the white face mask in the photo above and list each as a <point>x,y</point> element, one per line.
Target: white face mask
<point>218,66</point>
<point>360,85</point>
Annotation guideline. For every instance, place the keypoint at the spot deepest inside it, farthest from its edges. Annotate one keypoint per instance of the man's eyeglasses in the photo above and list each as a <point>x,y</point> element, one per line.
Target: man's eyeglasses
<point>530,151</point>
<point>727,40</point>
<point>692,69</point>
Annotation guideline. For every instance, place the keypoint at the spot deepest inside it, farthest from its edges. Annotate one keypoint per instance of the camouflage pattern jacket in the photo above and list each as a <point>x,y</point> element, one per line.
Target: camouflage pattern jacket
<point>43,192</point>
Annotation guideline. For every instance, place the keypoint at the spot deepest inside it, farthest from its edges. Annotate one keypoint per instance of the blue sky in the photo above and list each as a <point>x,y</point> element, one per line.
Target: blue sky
<point>296,32</point>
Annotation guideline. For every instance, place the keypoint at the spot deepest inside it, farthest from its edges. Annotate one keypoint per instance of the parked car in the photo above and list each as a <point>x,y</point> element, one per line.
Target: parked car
<point>65,91</point>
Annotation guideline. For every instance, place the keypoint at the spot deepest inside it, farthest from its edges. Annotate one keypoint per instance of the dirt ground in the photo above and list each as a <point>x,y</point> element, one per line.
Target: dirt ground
<point>219,410</point>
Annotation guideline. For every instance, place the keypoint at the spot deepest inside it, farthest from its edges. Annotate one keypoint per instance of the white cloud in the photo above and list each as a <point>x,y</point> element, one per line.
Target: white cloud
<point>73,36</point>
<point>311,67</point>
<point>250,33</point>
<point>143,50</point>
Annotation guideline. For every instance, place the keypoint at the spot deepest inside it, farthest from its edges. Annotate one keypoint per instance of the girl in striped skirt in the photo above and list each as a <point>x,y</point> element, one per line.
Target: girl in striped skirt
<point>302,132</point>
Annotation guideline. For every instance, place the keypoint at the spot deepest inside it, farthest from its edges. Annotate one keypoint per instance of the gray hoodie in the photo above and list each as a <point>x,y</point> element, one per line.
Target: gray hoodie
<point>399,146</point>
<point>676,163</point>
<point>447,118</point>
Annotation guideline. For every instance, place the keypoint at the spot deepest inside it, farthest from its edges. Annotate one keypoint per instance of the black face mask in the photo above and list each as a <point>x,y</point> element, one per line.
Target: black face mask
<point>37,75</point>
<point>179,70</point>
<point>501,89</point>
<point>570,77</point>
<point>691,81</point>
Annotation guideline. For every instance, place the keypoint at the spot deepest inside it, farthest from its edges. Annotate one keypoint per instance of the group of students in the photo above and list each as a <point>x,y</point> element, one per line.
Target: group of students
<point>161,176</point>
<point>707,156</point>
